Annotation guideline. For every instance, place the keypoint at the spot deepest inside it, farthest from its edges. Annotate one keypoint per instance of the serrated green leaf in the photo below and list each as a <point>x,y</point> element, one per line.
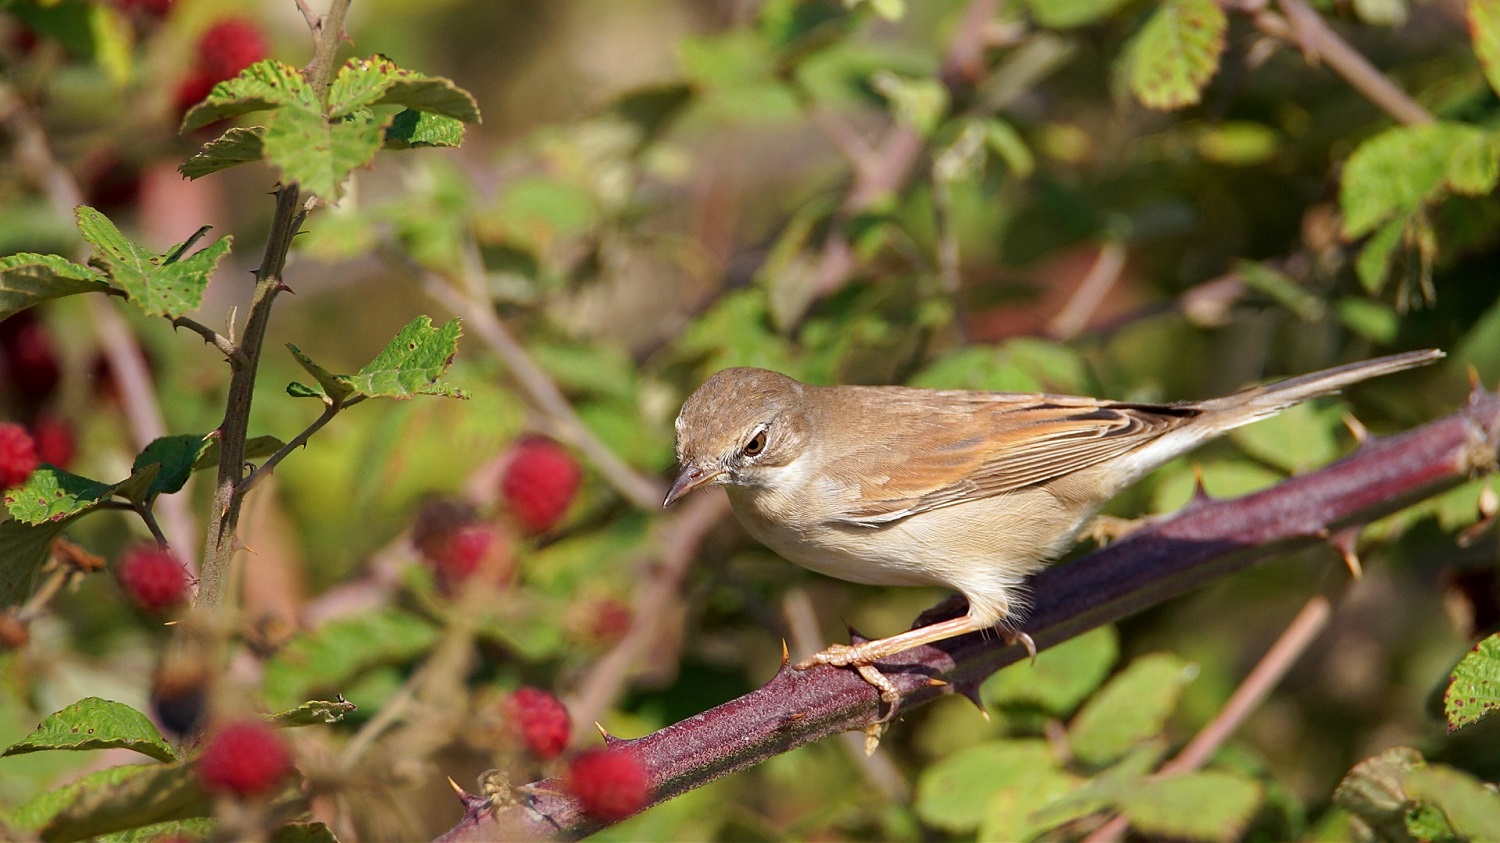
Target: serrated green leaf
<point>1375,792</point>
<point>156,283</point>
<point>1373,265</point>
<point>51,494</point>
<point>196,828</point>
<point>359,84</point>
<point>1473,691</point>
<point>1484,29</point>
<point>411,128</point>
<point>1207,805</point>
<point>314,712</point>
<point>23,550</point>
<point>952,794</point>
<point>116,799</point>
<point>412,363</point>
<point>1132,708</point>
<point>1176,53</point>
<point>317,154</point>
<point>27,279</point>
<point>1297,439</point>
<point>334,655</point>
<point>1471,810</point>
<point>1061,677</point>
<point>303,832</point>
<point>334,387</point>
<point>433,95</point>
<point>234,147</point>
<point>1066,14</point>
<point>1393,173</point>
<point>94,723</point>
<point>263,85</point>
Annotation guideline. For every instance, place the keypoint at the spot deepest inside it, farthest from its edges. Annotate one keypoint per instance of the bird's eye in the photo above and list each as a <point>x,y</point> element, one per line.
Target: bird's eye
<point>756,444</point>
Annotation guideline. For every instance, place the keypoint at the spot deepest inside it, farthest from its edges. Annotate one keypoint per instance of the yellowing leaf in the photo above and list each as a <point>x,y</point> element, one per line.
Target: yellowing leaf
<point>1176,53</point>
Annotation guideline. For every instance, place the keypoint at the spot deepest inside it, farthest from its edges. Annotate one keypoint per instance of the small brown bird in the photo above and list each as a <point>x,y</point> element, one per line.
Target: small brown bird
<point>974,491</point>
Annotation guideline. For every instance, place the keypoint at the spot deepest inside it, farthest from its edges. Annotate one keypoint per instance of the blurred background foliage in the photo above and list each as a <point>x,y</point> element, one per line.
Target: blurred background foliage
<point>891,192</point>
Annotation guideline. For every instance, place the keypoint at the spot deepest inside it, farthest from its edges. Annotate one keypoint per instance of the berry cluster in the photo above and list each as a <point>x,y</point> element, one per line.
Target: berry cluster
<point>539,483</point>
<point>540,719</point>
<point>610,783</point>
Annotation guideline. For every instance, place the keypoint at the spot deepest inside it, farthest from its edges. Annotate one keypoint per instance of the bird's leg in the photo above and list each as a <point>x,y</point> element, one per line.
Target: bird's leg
<point>862,656</point>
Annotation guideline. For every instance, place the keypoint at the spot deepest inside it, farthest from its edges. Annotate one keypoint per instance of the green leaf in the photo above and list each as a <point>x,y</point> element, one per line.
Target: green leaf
<point>255,447</point>
<point>433,95</point>
<point>196,828</point>
<point>952,794</point>
<point>159,284</point>
<point>317,154</point>
<point>359,84</point>
<point>1061,678</point>
<point>1474,687</point>
<point>334,387</point>
<point>1176,53</point>
<point>1471,809</point>
<point>1281,289</point>
<point>409,366</point>
<point>1484,29</point>
<point>1297,439</point>
<point>314,712</point>
<point>261,86</point>
<point>94,723</point>
<point>337,653</point>
<point>116,799</point>
<point>1373,320</point>
<point>412,128</point>
<point>1008,145</point>
<point>1221,479</point>
<point>1066,14</point>
<point>1374,792</point>
<point>1373,265</point>
<point>303,832</point>
<point>1237,143</point>
<point>177,456</point>
<point>1131,709</point>
<point>1208,805</point>
<point>1393,173</point>
<point>918,103</point>
<point>234,147</point>
<point>412,363</point>
<point>27,279</point>
<point>1010,813</point>
<point>51,494</point>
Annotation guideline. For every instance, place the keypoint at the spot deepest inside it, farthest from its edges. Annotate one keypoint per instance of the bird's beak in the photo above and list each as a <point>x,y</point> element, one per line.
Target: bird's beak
<point>691,478</point>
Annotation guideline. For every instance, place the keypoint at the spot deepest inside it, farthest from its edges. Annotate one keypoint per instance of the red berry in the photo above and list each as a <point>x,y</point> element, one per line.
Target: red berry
<point>244,758</point>
<point>30,361</point>
<point>153,578</point>
<point>456,545</point>
<point>17,455</point>
<point>541,719</point>
<point>229,46</point>
<point>54,440</point>
<point>610,783</point>
<point>540,482</point>
<point>611,620</point>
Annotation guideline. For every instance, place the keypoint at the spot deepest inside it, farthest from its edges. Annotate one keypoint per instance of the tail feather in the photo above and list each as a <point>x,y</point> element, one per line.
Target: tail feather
<point>1261,401</point>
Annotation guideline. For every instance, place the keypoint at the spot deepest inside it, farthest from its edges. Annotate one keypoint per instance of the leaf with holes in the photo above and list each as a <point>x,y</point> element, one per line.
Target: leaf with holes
<point>94,723</point>
<point>165,284</point>
<point>1176,53</point>
<point>1474,687</point>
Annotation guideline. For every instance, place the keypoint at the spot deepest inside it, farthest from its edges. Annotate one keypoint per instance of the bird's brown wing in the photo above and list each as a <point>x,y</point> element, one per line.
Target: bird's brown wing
<point>983,448</point>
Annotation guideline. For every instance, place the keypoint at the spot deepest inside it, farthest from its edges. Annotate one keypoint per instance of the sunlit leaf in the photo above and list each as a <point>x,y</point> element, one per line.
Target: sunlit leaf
<point>1176,53</point>
<point>94,723</point>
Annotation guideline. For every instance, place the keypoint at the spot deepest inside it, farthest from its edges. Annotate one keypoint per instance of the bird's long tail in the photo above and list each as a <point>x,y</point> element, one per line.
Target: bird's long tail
<point>1259,402</point>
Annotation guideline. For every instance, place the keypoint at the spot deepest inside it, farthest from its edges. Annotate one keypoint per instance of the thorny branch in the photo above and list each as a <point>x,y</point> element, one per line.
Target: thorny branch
<point>1208,540</point>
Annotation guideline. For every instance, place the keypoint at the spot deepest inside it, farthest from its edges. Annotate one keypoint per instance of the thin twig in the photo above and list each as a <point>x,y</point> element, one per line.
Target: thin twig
<point>642,492</point>
<point>36,604</point>
<point>1289,647</point>
<point>1305,27</point>
<point>1090,293</point>
<point>144,511</point>
<point>330,409</point>
<point>210,336</point>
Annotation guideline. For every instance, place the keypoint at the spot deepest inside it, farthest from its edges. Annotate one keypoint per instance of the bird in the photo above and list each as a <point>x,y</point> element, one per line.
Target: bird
<point>969,490</point>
